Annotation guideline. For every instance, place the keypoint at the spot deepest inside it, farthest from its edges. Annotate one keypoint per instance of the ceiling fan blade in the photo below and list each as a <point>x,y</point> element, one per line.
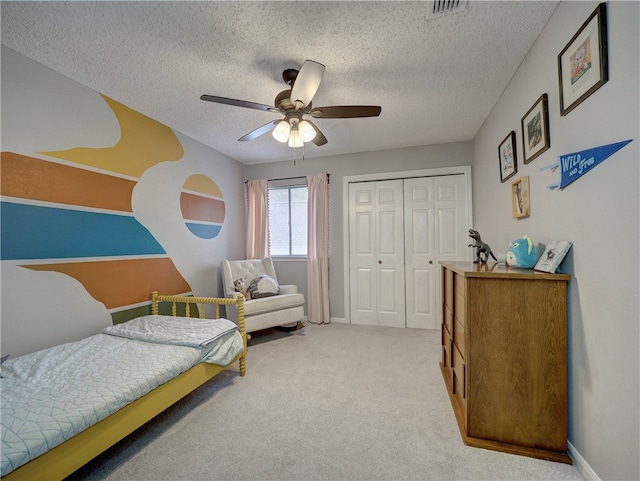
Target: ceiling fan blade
<point>307,82</point>
<point>238,103</point>
<point>268,127</point>
<point>345,111</point>
<point>319,139</point>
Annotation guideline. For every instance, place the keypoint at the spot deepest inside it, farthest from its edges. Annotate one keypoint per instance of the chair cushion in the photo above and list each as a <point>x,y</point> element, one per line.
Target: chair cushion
<point>274,303</point>
<point>263,286</point>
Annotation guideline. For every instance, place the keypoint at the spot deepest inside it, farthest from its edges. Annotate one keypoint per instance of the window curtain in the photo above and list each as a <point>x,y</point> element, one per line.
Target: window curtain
<point>318,249</point>
<point>257,219</point>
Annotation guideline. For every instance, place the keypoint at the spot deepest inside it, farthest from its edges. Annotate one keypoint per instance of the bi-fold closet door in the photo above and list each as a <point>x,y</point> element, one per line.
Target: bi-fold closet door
<point>398,231</point>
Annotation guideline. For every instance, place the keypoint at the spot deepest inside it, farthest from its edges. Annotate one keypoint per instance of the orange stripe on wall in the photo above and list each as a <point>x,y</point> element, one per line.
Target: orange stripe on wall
<point>31,178</point>
<point>195,207</point>
<point>120,283</point>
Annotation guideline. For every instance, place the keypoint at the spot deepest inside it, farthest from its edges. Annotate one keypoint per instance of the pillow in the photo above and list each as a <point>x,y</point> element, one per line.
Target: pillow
<point>263,286</point>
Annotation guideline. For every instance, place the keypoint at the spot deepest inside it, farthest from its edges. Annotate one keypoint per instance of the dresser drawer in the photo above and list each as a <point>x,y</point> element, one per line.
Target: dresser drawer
<point>447,347</point>
<point>447,320</point>
<point>448,287</point>
<point>459,307</point>
<point>458,338</point>
<point>459,281</point>
<point>459,374</point>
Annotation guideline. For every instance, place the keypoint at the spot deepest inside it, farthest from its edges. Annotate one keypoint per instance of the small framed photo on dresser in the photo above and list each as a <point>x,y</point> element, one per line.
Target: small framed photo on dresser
<point>552,256</point>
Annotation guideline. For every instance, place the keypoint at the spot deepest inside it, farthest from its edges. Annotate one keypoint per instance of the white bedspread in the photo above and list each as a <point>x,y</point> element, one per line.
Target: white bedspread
<point>51,395</point>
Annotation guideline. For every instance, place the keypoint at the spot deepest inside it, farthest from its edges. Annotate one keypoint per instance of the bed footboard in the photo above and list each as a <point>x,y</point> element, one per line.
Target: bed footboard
<point>201,303</point>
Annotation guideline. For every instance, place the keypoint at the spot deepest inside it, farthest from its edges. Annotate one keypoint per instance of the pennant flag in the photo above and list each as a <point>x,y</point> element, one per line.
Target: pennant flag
<point>575,165</point>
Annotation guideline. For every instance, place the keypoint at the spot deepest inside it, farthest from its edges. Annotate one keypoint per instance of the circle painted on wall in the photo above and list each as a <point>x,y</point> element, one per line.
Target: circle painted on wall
<point>202,206</point>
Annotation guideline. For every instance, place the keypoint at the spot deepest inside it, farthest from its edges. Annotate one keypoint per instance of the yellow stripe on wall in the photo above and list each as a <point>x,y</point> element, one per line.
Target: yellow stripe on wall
<point>143,143</point>
<point>203,184</point>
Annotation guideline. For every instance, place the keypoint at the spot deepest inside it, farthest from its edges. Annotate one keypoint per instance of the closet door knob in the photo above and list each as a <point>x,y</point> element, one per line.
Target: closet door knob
<point>379,262</point>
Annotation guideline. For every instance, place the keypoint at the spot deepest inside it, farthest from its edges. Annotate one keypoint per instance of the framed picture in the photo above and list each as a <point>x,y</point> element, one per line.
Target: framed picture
<point>552,256</point>
<point>507,157</point>
<point>520,206</point>
<point>535,130</point>
<point>582,64</point>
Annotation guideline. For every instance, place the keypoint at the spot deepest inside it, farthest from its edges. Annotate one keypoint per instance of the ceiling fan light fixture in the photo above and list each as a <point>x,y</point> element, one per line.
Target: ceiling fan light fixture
<point>307,132</point>
<point>295,140</point>
<point>281,132</point>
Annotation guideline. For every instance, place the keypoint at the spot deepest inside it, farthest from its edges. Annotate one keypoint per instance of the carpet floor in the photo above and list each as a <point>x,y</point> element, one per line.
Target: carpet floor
<point>330,402</point>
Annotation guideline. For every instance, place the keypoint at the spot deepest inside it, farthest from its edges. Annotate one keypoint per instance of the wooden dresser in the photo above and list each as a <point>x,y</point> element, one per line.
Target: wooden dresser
<point>504,357</point>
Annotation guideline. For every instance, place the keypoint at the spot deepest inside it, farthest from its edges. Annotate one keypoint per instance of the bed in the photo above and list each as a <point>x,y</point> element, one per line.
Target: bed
<point>51,437</point>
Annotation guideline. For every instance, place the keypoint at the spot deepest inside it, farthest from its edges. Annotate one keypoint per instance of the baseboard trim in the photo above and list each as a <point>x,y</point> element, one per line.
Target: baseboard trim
<point>581,465</point>
<point>339,320</point>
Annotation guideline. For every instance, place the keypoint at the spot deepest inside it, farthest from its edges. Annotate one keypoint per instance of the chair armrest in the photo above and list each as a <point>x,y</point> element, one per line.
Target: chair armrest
<point>288,289</point>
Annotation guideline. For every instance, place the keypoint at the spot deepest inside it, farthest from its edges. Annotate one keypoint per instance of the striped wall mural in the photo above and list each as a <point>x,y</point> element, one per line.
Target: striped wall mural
<point>202,206</point>
<point>71,212</point>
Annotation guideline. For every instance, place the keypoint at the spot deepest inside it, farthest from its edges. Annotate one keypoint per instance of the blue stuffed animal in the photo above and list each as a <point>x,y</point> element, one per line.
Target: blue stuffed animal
<point>522,253</point>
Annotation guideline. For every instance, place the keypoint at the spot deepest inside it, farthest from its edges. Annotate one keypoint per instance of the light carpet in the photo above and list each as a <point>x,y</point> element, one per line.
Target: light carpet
<point>329,402</point>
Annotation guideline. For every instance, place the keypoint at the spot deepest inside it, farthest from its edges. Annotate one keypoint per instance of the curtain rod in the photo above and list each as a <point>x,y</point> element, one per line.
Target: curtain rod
<point>291,178</point>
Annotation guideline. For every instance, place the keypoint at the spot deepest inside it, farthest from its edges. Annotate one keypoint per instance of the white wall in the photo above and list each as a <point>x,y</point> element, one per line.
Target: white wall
<point>599,213</point>
<point>414,158</point>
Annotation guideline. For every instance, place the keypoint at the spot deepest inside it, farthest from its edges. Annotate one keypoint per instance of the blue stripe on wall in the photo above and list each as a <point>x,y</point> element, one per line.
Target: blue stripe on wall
<point>204,231</point>
<point>36,232</point>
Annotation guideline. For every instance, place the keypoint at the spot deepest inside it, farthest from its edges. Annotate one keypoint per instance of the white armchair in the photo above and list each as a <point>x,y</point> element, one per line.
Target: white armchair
<point>285,309</point>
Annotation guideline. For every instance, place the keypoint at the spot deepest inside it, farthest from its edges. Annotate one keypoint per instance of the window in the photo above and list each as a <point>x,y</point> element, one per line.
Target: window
<point>288,220</point>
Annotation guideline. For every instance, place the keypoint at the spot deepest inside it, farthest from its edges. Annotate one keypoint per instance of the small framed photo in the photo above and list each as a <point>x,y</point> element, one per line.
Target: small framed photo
<point>583,65</point>
<point>535,130</point>
<point>507,157</point>
<point>552,256</point>
<point>520,206</point>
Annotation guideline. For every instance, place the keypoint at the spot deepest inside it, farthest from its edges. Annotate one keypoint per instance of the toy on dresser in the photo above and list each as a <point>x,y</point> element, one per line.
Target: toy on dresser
<point>242,288</point>
<point>483,251</point>
<point>522,253</point>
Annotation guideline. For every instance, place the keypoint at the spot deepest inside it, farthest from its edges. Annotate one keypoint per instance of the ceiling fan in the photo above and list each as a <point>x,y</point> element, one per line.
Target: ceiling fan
<point>294,103</point>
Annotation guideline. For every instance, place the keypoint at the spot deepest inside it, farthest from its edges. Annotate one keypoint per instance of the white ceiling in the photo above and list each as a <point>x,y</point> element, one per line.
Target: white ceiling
<point>435,78</point>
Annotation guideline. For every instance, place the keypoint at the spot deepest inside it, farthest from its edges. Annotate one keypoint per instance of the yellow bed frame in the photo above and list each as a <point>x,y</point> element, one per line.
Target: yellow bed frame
<point>75,452</point>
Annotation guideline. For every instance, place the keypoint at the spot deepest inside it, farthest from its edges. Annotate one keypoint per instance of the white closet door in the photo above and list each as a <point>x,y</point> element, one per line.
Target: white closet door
<point>435,230</point>
<point>376,252</point>
<point>420,267</point>
<point>450,206</point>
<point>399,230</point>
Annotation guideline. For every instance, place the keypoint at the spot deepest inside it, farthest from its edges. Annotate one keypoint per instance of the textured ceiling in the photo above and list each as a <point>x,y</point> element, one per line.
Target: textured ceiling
<point>435,78</point>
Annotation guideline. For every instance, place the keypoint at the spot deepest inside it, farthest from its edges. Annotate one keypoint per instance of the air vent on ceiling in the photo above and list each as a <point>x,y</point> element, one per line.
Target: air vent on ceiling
<point>438,8</point>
